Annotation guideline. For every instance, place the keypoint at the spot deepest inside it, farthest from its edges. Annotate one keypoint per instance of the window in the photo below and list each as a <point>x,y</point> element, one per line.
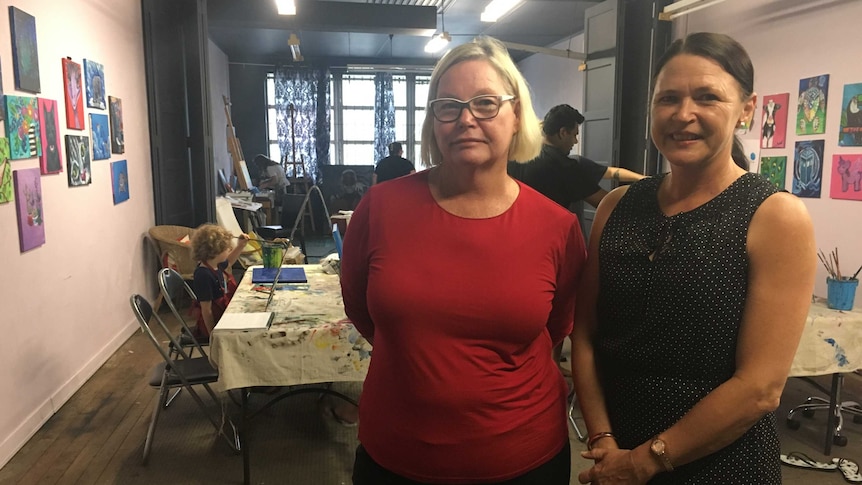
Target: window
<point>271,119</point>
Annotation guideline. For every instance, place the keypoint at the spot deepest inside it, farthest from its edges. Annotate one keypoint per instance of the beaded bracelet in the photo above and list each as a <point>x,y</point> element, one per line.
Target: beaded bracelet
<point>596,437</point>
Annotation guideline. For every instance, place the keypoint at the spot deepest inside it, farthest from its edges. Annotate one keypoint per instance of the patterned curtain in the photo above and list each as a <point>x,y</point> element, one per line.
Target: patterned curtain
<point>307,91</point>
<point>384,114</point>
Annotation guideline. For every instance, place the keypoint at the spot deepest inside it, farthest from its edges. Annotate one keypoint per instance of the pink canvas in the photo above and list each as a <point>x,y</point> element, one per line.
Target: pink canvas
<point>846,177</point>
<point>28,199</point>
<point>773,129</point>
<point>51,159</point>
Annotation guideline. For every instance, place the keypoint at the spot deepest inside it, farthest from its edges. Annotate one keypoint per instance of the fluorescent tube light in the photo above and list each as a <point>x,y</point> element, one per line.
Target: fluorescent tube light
<point>684,7</point>
<point>286,7</point>
<point>497,8</point>
<point>438,42</point>
<point>293,43</point>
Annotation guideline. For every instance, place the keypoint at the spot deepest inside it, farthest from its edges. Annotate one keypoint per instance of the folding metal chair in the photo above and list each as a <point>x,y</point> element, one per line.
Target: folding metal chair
<point>182,372</point>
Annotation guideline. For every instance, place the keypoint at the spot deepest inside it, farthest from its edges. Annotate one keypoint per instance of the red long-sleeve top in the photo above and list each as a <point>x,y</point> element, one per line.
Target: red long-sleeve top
<point>463,314</point>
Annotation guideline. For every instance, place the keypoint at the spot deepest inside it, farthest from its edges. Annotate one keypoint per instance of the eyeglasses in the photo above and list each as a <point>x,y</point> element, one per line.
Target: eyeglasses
<point>482,107</point>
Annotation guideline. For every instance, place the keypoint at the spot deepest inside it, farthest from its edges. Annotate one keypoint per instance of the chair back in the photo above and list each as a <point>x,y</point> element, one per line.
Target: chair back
<point>144,313</point>
<point>172,285</point>
<point>172,252</point>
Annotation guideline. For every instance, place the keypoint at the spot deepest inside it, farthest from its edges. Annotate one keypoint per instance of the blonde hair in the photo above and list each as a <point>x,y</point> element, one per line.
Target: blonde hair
<point>210,240</point>
<point>527,142</point>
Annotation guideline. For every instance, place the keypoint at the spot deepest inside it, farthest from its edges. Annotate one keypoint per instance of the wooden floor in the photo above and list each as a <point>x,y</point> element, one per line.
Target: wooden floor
<point>97,437</point>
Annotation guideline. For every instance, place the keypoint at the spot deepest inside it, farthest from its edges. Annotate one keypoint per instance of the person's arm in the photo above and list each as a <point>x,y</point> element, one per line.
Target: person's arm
<point>780,283</point>
<point>354,270</point>
<point>207,314</point>
<point>240,245</point>
<point>596,197</point>
<point>374,178</point>
<point>622,175</point>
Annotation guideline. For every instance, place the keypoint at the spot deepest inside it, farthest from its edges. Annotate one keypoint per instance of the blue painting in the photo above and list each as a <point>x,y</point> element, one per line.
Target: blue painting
<point>101,137</point>
<point>808,169</point>
<point>25,55</point>
<point>94,73</point>
<point>850,134</point>
<point>120,181</point>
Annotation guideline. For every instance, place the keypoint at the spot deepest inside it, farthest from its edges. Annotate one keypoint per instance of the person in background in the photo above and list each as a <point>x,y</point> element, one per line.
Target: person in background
<point>563,179</point>
<point>272,175</point>
<point>349,194</point>
<point>393,166</point>
<point>214,284</point>
<point>463,287</point>
<point>695,294</point>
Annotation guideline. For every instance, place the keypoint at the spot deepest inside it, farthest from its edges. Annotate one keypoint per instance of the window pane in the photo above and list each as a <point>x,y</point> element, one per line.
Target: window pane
<point>400,125</point>
<point>359,125</point>
<point>358,90</point>
<point>399,89</point>
<point>417,157</point>
<point>420,118</point>
<point>272,125</point>
<point>355,154</point>
<point>275,152</point>
<point>422,91</point>
<point>270,89</point>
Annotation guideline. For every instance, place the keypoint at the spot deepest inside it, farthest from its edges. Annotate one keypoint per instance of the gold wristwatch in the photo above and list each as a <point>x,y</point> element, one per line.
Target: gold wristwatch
<point>659,450</point>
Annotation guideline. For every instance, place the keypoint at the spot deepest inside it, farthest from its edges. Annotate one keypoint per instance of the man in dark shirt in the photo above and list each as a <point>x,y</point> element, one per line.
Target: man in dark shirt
<point>560,178</point>
<point>393,166</point>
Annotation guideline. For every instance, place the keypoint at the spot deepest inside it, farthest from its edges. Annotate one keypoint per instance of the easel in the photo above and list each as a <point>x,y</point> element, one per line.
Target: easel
<point>299,176</point>
<point>235,150</point>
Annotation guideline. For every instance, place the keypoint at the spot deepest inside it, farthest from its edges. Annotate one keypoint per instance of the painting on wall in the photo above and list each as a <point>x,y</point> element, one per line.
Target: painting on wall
<point>115,109</point>
<point>25,55</point>
<point>95,76</point>
<point>811,106</point>
<point>846,177</point>
<point>752,154</point>
<point>22,127</point>
<point>6,193</point>
<point>120,181</point>
<point>850,133</point>
<point>28,198</point>
<point>774,169</point>
<point>78,160</point>
<point>808,169</point>
<point>51,160</point>
<point>773,133</point>
<point>74,95</point>
<point>100,136</point>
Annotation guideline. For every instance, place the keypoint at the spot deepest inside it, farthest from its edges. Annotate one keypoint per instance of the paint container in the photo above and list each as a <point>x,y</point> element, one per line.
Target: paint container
<point>840,293</point>
<point>272,255</point>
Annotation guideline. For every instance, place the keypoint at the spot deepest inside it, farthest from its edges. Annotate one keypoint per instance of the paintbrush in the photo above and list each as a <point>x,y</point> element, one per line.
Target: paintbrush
<point>856,273</point>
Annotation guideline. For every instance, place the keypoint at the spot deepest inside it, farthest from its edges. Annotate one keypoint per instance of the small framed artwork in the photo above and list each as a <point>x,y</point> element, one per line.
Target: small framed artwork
<point>74,95</point>
<point>22,127</point>
<point>774,169</point>
<point>811,105</point>
<point>95,76</point>
<point>120,181</point>
<point>808,169</point>
<point>25,55</point>
<point>51,160</point>
<point>774,128</point>
<point>115,109</point>
<point>846,177</point>
<point>101,137</point>
<point>78,160</point>
<point>28,199</point>
<point>6,193</point>
<point>850,132</point>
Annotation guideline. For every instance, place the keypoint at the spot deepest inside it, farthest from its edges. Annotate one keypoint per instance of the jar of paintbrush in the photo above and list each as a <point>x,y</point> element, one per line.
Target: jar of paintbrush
<point>840,289</point>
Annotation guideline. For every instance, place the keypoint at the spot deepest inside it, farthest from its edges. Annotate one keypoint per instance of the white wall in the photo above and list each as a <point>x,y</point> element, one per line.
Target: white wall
<point>789,40</point>
<point>219,86</point>
<point>64,306</point>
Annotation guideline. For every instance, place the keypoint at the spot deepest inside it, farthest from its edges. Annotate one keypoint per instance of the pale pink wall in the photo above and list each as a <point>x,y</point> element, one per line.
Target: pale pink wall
<point>789,40</point>
<point>64,306</point>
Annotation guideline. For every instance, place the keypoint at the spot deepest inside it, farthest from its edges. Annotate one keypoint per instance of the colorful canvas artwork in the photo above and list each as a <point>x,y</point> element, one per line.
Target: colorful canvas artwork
<point>120,181</point>
<point>850,132</point>
<point>115,109</point>
<point>94,73</point>
<point>808,169</point>
<point>25,55</point>
<point>74,95</point>
<point>28,198</point>
<point>6,193</point>
<point>774,169</point>
<point>752,154</point>
<point>51,160</point>
<point>811,105</point>
<point>846,177</point>
<point>101,137</point>
<point>773,131</point>
<point>78,160</point>
<point>22,127</point>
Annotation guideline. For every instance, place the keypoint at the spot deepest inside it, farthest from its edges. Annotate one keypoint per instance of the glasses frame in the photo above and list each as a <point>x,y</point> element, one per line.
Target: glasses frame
<point>466,104</point>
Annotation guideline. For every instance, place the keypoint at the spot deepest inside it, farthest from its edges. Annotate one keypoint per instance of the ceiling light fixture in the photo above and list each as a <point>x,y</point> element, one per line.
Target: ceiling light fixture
<point>498,8</point>
<point>293,43</point>
<point>286,7</point>
<point>684,7</point>
<point>438,42</point>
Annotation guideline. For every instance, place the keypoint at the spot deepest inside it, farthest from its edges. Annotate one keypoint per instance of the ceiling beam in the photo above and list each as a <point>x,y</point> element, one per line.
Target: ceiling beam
<point>546,50</point>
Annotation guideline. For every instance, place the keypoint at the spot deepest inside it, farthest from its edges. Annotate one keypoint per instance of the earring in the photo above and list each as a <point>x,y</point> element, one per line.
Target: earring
<point>743,125</point>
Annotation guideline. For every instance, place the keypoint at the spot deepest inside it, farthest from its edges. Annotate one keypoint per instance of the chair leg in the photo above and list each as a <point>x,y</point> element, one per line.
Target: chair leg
<point>173,396</point>
<point>148,444</point>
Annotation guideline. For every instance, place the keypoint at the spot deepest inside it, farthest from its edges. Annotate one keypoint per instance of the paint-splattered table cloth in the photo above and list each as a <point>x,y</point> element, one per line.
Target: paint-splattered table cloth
<point>831,342</point>
<point>310,339</point>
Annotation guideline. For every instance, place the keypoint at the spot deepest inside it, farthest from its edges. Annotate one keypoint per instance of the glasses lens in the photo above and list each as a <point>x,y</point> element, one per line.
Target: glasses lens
<point>485,107</point>
<point>447,109</point>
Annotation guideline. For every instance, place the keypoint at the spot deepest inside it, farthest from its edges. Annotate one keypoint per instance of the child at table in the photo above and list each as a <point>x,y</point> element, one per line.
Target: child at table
<point>214,284</point>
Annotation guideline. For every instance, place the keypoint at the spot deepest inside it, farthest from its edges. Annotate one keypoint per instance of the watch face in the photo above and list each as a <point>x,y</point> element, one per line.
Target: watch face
<point>657,447</point>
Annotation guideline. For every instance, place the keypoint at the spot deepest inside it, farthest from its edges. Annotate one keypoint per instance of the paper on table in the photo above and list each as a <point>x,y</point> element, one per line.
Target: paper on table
<point>245,321</point>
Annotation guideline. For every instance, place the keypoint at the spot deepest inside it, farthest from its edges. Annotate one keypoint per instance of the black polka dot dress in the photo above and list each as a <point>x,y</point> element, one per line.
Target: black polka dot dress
<point>671,296</point>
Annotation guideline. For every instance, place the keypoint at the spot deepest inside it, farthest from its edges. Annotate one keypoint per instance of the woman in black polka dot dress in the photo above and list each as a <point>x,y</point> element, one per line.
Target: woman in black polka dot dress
<point>695,293</point>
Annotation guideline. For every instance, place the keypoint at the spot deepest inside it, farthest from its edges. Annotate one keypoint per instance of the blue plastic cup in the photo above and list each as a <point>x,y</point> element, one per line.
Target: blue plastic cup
<point>840,293</point>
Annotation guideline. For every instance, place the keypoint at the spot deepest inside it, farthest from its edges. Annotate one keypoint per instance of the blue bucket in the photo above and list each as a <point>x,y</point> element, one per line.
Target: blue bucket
<point>840,293</point>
